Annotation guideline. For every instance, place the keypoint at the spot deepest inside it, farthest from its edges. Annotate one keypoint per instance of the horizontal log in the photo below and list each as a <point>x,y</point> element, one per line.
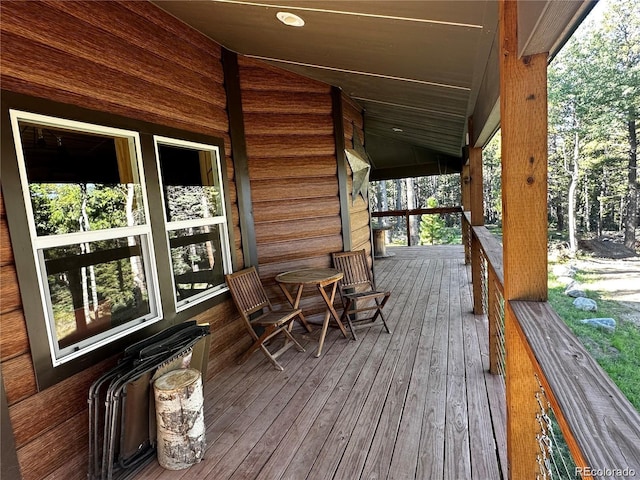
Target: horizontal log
<point>299,249</point>
<point>359,219</point>
<point>287,124</point>
<point>361,236</point>
<point>146,26</point>
<point>19,378</point>
<point>268,271</point>
<point>282,231</point>
<point>83,99</point>
<point>10,299</point>
<point>6,251</point>
<point>80,39</point>
<point>55,404</point>
<point>74,468</point>
<point>278,168</point>
<point>285,102</point>
<point>604,426</point>
<point>51,450</point>
<point>42,65</point>
<point>13,334</point>
<point>295,208</point>
<point>289,189</point>
<point>262,77</point>
<point>301,146</point>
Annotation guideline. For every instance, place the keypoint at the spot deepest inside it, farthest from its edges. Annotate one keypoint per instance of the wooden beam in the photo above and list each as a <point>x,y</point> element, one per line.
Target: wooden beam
<point>338,131</point>
<point>523,113</point>
<point>240,157</point>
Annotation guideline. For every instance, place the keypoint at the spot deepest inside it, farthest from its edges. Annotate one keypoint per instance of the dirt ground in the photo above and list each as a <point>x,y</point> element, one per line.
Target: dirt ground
<point>618,274</point>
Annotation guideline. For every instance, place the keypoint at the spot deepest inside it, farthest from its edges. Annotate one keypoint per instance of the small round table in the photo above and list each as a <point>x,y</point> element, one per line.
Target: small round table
<point>320,278</point>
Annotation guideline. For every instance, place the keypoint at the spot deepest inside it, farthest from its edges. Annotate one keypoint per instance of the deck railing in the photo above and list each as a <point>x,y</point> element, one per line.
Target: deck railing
<point>566,417</point>
<point>407,214</point>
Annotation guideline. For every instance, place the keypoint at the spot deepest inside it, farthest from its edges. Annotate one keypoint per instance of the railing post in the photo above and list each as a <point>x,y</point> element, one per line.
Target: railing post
<point>477,218</point>
<point>523,114</point>
<point>406,216</point>
<point>466,207</point>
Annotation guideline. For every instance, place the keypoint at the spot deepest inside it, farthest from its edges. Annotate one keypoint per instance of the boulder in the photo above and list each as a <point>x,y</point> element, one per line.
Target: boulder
<point>574,290</point>
<point>566,281</point>
<point>564,270</point>
<point>607,324</point>
<point>587,304</point>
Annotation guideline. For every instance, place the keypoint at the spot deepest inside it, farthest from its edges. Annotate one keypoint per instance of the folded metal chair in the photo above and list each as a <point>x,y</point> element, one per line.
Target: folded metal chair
<point>358,291</point>
<point>122,435</point>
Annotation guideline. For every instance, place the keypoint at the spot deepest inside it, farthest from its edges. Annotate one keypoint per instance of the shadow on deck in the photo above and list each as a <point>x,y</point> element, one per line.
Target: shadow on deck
<point>416,404</point>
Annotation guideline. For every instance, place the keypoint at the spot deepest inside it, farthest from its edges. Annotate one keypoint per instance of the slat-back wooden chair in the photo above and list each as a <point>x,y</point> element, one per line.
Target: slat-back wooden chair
<point>261,321</point>
<point>358,291</point>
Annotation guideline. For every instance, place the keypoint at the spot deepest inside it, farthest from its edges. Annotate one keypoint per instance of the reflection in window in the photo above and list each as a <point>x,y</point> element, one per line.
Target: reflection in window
<point>89,229</point>
<point>96,286</point>
<point>80,181</point>
<point>196,256</point>
<point>191,184</point>
<point>196,219</point>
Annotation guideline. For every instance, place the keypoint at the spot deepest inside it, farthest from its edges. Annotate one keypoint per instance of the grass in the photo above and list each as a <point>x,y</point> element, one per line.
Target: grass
<point>617,353</point>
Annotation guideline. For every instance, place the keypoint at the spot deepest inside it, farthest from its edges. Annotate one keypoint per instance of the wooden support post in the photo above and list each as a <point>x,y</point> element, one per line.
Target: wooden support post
<point>477,218</point>
<point>523,113</point>
<point>466,207</point>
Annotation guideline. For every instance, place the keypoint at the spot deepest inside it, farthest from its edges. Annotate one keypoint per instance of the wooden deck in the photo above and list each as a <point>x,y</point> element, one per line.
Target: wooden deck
<point>414,404</point>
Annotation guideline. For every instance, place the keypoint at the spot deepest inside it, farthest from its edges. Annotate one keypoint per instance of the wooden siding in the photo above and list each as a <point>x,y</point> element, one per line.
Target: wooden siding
<point>293,173</point>
<point>125,58</point>
<point>359,209</point>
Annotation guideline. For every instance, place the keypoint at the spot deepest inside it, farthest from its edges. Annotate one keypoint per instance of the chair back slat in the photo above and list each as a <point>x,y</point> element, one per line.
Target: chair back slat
<point>247,291</point>
<point>355,267</point>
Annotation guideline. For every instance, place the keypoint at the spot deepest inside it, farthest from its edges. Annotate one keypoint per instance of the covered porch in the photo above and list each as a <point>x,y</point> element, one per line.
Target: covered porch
<point>419,403</point>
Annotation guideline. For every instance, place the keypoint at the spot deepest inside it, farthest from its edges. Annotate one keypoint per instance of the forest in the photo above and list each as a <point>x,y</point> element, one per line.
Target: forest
<point>593,104</point>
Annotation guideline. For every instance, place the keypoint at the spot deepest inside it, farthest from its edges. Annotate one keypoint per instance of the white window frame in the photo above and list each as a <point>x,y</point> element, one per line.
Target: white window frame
<point>39,243</point>
<point>220,220</point>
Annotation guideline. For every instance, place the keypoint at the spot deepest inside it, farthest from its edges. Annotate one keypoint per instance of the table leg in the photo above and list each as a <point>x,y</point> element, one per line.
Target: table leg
<point>295,304</point>
<point>330,311</point>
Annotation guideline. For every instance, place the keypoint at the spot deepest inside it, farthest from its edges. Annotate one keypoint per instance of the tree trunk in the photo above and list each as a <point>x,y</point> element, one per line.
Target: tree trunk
<point>180,418</point>
<point>573,184</point>
<point>399,184</point>
<point>631,222</point>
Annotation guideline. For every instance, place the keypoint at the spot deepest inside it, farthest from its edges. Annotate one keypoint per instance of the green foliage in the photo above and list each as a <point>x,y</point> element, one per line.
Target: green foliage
<point>617,353</point>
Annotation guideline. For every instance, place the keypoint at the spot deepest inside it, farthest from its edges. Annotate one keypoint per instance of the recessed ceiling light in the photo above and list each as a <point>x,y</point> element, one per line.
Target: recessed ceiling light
<point>396,129</point>
<point>290,19</point>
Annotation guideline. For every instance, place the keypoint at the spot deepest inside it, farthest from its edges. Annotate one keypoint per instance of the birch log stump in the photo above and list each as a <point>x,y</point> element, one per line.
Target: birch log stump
<point>180,418</point>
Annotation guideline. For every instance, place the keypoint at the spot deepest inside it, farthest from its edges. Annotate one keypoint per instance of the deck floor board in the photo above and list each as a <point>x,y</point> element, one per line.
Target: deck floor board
<point>414,404</point>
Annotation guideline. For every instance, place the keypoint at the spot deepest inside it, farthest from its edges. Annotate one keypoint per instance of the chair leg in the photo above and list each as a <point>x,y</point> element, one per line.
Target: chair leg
<point>271,358</point>
<point>345,315</point>
<point>299,347</point>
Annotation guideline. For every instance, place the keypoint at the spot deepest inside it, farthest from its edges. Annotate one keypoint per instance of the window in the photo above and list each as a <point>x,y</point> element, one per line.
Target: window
<point>195,216</point>
<point>88,218</point>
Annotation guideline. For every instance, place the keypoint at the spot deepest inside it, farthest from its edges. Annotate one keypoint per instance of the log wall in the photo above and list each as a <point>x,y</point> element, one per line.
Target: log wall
<point>128,59</point>
<point>292,168</point>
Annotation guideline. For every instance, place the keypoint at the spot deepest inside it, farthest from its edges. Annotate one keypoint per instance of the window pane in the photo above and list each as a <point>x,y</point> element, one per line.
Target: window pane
<point>196,256</point>
<point>191,184</point>
<point>96,286</point>
<point>80,181</point>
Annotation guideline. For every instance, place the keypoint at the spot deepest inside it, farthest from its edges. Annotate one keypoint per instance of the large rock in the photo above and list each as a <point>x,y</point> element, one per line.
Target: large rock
<point>574,290</point>
<point>566,281</point>
<point>608,324</point>
<point>587,304</point>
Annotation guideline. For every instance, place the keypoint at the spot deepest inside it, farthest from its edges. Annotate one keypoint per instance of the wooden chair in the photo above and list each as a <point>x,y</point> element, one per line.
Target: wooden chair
<point>358,291</point>
<point>261,321</point>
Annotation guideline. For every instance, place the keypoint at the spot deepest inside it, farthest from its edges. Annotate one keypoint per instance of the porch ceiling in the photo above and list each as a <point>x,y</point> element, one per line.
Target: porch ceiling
<point>419,68</point>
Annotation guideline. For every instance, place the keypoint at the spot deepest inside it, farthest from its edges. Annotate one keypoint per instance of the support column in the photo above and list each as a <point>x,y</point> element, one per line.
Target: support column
<point>466,207</point>
<point>477,218</point>
<point>523,113</point>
